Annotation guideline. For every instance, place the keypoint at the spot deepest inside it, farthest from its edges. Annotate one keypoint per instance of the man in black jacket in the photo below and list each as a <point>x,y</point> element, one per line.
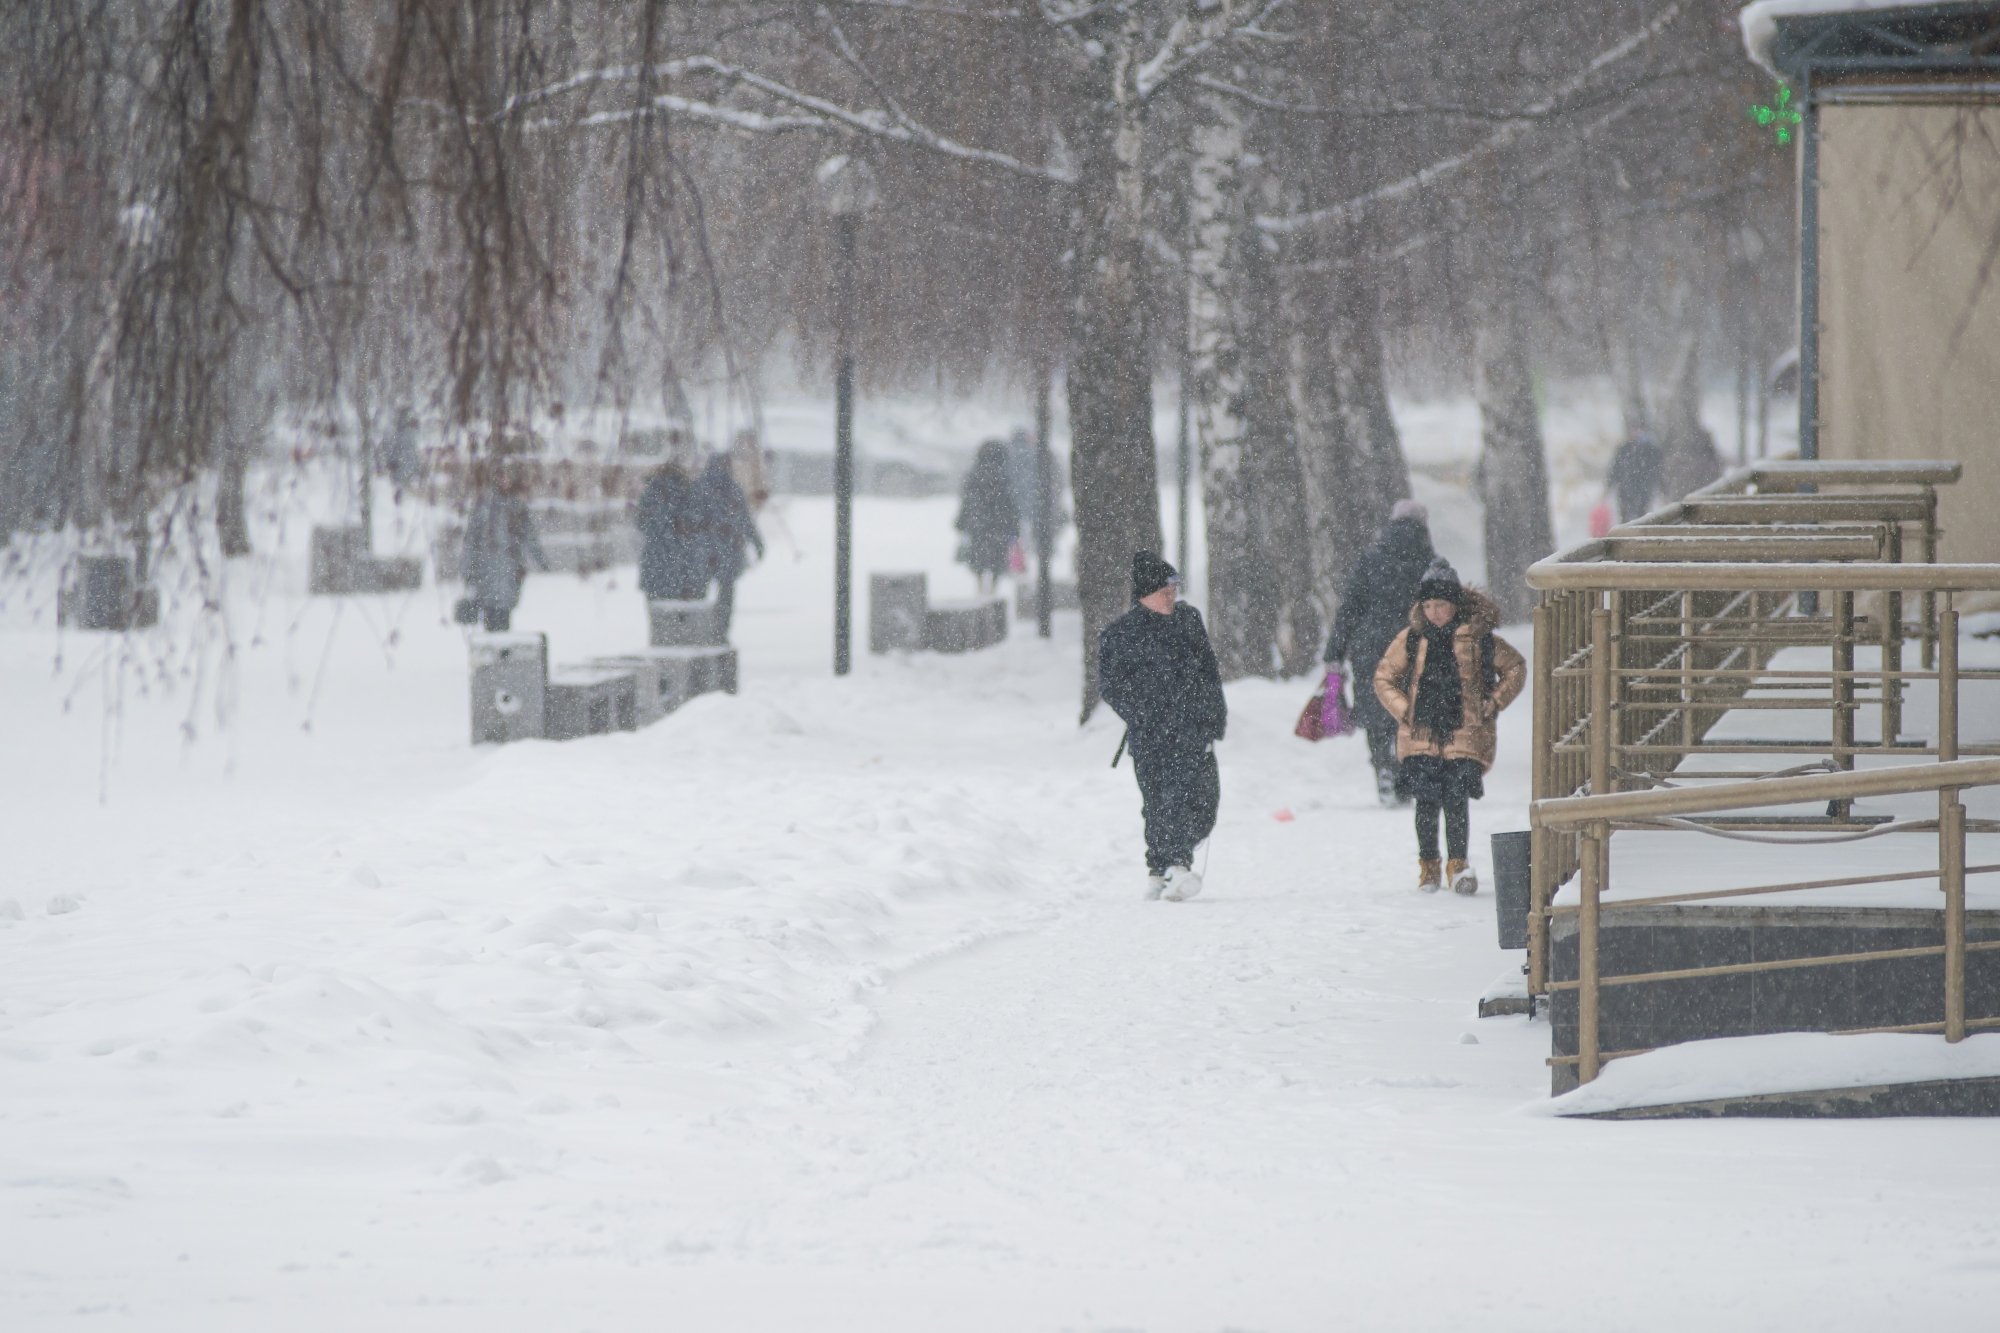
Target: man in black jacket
<point>1156,670</point>
<point>1374,607</point>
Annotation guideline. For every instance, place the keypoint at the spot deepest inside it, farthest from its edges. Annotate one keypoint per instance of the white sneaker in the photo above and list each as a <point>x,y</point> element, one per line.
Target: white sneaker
<point>1182,884</point>
<point>1155,886</point>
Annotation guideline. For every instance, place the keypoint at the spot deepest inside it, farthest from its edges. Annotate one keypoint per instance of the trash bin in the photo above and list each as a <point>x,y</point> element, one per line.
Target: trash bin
<point>1513,880</point>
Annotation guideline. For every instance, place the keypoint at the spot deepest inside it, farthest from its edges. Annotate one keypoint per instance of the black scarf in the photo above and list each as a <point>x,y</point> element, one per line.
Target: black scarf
<point>1439,706</point>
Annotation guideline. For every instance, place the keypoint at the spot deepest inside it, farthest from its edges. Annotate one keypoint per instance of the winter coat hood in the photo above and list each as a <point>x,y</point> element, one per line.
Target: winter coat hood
<point>1478,614</point>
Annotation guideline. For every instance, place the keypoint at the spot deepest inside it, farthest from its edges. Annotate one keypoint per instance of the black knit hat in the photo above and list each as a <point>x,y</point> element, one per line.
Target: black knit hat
<point>1150,574</point>
<point>1441,581</point>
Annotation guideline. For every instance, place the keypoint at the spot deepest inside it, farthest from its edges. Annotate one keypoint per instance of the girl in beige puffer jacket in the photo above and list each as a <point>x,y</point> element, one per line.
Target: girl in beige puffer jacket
<point>1445,679</point>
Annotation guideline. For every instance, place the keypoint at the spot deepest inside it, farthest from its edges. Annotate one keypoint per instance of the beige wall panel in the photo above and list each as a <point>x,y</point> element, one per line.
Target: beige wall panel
<point>1909,339</point>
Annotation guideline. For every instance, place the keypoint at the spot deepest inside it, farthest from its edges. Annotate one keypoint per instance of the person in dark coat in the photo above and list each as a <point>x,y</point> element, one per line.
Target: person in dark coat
<point>672,565</point>
<point>988,516</point>
<point>1635,475</point>
<point>1446,678</point>
<point>721,520</point>
<point>1156,670</point>
<point>500,544</point>
<point>1374,607</point>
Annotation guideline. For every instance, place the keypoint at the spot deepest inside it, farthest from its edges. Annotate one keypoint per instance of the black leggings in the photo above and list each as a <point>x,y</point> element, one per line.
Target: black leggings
<point>1457,826</point>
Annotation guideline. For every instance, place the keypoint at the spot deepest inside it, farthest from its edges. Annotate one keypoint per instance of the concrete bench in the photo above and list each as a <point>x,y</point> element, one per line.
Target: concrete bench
<point>1062,597</point>
<point>897,604</point>
<point>509,680</point>
<point>102,594</point>
<point>668,677</point>
<point>710,670</point>
<point>590,701</point>
<point>684,624</point>
<point>964,627</point>
<point>340,565</point>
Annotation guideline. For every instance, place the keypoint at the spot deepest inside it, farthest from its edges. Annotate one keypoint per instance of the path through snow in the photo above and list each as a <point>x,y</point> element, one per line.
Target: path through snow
<point>830,1006</point>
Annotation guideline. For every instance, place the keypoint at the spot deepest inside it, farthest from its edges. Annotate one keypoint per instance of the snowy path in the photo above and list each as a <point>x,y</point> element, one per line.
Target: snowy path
<point>831,1006</point>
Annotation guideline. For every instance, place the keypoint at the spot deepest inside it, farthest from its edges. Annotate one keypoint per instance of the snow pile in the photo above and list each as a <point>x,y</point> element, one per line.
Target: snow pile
<point>1759,21</point>
<point>1700,1071</point>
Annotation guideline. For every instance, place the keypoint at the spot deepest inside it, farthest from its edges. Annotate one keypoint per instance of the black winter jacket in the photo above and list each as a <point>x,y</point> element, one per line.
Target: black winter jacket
<point>1375,606</point>
<point>1158,673</point>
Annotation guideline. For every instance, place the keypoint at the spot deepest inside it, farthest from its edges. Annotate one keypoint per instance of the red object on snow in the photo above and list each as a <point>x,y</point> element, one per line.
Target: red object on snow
<point>1600,520</point>
<point>1283,816</point>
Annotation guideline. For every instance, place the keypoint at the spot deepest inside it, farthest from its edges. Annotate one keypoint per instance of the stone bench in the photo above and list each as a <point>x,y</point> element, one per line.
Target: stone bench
<point>902,619</point>
<point>897,604</point>
<point>102,594</point>
<point>964,627</point>
<point>590,701</point>
<point>340,565</point>
<point>666,678</point>
<point>1062,597</point>
<point>509,679</point>
<point>684,624</point>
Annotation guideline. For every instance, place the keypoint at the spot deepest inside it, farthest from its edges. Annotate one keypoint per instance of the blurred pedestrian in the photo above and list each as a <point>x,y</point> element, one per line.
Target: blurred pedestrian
<point>672,564</point>
<point>500,543</point>
<point>1374,607</point>
<point>1445,678</point>
<point>402,459</point>
<point>720,517</point>
<point>988,516</point>
<point>1635,475</point>
<point>750,468</point>
<point>1157,671</point>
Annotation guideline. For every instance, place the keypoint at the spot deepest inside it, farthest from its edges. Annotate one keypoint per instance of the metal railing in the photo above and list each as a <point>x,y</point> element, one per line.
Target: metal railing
<point>1592,819</point>
<point>1646,639</point>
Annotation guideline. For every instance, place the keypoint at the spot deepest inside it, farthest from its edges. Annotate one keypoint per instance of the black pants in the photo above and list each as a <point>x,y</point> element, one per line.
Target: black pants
<point>1442,786</point>
<point>1180,790</point>
<point>1382,743</point>
<point>496,619</point>
<point>1457,826</point>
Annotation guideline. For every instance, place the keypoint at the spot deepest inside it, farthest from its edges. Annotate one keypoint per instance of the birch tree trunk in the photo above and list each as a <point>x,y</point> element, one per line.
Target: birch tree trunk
<point>1241,607</point>
<point>1112,467</point>
<point>1513,472</point>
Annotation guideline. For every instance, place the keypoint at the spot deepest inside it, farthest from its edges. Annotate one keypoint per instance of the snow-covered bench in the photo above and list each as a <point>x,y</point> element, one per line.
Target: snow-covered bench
<point>516,697</point>
<point>901,618</point>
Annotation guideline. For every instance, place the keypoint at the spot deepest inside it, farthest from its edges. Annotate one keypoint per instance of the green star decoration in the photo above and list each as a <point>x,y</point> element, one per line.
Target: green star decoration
<point>1780,117</point>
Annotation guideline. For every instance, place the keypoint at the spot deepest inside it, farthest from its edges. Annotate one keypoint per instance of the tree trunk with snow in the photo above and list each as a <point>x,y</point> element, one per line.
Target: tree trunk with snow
<point>1241,607</point>
<point>1112,467</point>
<point>1513,471</point>
<point>1274,469</point>
<point>1349,449</point>
<point>232,522</point>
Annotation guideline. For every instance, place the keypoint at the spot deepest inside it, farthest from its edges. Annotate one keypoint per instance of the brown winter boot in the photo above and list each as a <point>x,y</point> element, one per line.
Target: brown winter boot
<point>1428,871</point>
<point>1460,876</point>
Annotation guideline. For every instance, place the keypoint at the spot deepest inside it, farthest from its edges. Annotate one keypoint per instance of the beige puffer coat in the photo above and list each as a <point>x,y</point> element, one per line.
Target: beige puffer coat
<point>1396,675</point>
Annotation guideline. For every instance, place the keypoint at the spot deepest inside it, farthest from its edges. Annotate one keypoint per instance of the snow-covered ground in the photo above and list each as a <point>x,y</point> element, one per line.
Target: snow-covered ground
<point>832,1005</point>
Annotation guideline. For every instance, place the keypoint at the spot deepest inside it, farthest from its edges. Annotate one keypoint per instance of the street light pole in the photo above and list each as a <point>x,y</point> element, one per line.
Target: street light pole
<point>846,191</point>
<point>848,224</point>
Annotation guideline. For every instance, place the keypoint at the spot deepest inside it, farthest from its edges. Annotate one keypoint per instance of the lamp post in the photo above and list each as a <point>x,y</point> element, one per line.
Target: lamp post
<point>846,189</point>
